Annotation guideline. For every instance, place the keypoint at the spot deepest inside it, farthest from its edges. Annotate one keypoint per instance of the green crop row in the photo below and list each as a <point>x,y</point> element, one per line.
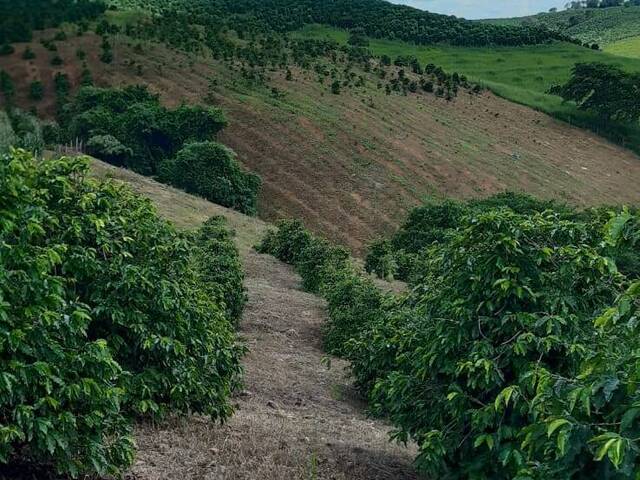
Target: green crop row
<point>515,354</point>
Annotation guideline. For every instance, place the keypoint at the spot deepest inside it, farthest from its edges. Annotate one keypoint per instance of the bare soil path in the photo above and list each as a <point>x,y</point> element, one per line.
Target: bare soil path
<point>296,419</point>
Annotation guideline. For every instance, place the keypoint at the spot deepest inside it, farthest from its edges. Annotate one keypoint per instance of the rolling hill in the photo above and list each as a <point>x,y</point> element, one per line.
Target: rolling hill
<point>593,25</point>
<point>351,164</point>
<point>522,74</point>
<point>170,328</point>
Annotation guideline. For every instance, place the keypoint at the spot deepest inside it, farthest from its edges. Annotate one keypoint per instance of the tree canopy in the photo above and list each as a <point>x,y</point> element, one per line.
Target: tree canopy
<point>604,89</point>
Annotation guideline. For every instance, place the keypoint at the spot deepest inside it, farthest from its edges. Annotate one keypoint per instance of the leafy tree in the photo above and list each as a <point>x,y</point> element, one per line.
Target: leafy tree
<point>211,170</point>
<point>604,89</point>
<point>135,117</point>
<point>109,149</point>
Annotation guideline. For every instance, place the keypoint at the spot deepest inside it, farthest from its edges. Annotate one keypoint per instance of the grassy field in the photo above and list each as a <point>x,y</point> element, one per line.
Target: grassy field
<point>520,74</point>
<point>600,25</point>
<point>629,47</point>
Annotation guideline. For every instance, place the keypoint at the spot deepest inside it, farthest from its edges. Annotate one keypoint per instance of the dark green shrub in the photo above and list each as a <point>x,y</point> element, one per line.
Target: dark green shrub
<point>135,117</point>
<point>433,221</point>
<point>211,170</point>
<point>86,79</point>
<point>6,49</point>
<point>327,270</point>
<point>36,90</point>
<point>57,61</point>
<point>105,317</point>
<point>106,56</point>
<point>108,148</point>
<point>494,371</point>
<point>7,87</point>
<point>219,265</point>
<point>288,242</point>
<point>500,362</point>
<point>380,259</point>
<point>28,54</point>
<point>354,303</point>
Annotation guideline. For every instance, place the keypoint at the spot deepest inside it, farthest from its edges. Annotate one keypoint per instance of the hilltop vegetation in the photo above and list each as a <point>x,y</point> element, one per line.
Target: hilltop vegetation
<point>602,26</point>
<point>514,355</point>
<point>20,17</point>
<point>375,18</point>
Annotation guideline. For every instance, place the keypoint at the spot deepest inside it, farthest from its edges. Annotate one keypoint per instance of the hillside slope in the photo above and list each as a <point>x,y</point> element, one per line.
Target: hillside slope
<point>599,25</point>
<point>350,165</point>
<point>296,419</point>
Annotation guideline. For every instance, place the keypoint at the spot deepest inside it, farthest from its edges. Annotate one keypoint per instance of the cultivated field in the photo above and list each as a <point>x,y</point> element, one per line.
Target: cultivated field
<point>351,165</point>
<point>295,418</point>
<point>520,74</point>
<point>628,47</point>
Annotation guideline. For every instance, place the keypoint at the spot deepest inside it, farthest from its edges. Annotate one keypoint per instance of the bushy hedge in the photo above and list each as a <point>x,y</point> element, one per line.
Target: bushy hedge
<point>432,222</point>
<point>325,269</point>
<point>105,314</point>
<point>506,359</point>
<point>210,169</point>
<point>220,267</point>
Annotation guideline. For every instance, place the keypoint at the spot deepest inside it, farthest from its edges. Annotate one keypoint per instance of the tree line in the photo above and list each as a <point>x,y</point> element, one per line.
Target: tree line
<point>513,354</point>
<point>19,18</point>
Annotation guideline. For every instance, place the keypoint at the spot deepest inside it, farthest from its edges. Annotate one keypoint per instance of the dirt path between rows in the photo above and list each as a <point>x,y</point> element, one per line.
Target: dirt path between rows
<point>295,419</point>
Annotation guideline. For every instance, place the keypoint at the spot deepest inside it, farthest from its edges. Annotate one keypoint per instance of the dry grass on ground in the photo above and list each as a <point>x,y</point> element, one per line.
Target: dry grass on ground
<point>296,419</point>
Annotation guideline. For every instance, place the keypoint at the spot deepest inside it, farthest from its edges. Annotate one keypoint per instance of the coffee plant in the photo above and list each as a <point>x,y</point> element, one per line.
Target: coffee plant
<point>210,169</point>
<point>220,267</point>
<point>514,355</point>
<point>105,315</point>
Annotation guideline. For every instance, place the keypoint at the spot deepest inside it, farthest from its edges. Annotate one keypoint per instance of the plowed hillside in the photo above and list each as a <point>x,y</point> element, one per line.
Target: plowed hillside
<point>351,164</point>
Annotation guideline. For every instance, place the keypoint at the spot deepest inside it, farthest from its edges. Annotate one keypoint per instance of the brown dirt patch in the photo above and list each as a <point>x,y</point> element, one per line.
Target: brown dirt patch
<point>351,165</point>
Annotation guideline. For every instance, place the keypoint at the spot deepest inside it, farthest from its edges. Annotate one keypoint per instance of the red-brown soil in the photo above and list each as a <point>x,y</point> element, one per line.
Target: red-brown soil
<point>351,165</point>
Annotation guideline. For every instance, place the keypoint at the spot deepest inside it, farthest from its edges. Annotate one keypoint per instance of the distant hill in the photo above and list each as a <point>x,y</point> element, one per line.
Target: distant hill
<point>600,25</point>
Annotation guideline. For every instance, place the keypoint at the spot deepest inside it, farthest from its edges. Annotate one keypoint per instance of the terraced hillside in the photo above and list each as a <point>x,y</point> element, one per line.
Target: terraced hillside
<point>350,165</point>
<point>599,25</point>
